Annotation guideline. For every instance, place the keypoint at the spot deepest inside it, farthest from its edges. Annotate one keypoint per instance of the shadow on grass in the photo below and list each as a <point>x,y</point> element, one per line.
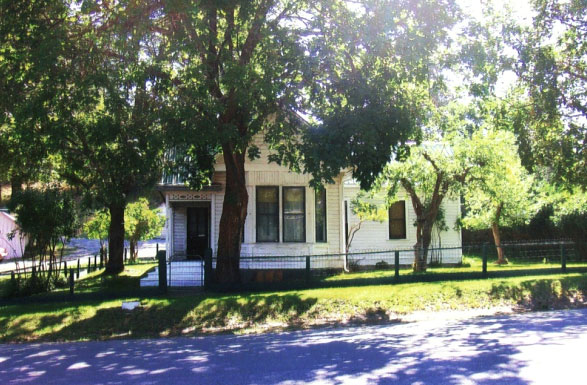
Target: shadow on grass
<point>430,276</point>
<point>179,316</point>
<point>544,294</point>
<point>250,310</point>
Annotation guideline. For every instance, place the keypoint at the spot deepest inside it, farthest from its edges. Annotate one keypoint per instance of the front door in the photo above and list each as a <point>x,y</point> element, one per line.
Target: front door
<point>198,231</point>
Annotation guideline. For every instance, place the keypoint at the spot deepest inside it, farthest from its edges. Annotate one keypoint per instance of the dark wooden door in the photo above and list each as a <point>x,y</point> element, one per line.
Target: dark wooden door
<point>198,238</point>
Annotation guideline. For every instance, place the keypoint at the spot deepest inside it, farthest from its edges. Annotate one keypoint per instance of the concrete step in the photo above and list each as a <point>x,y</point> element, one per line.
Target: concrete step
<point>179,274</point>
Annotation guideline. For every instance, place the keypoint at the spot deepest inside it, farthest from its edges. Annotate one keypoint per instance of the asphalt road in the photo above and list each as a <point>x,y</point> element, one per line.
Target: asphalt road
<point>533,348</point>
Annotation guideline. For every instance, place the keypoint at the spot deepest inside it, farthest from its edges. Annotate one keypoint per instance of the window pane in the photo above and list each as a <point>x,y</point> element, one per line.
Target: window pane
<point>293,228</point>
<point>267,200</point>
<point>321,215</point>
<point>267,214</point>
<point>294,217</point>
<point>397,220</point>
<point>293,200</point>
<point>267,228</point>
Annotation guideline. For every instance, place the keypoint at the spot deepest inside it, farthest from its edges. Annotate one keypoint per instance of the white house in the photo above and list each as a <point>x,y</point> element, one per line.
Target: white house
<point>287,217</point>
<point>12,242</point>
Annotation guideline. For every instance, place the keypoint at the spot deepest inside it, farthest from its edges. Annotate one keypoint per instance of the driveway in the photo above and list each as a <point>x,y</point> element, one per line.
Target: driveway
<point>533,348</point>
<point>82,248</point>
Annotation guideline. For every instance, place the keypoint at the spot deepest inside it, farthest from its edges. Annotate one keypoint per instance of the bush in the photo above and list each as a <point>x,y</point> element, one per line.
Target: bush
<point>34,284</point>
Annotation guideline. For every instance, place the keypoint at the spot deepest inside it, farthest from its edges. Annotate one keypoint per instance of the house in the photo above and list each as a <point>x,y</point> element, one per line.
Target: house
<point>12,242</point>
<point>286,217</point>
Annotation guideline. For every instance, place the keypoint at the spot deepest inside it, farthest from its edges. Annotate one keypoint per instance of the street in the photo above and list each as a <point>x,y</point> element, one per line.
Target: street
<point>531,348</point>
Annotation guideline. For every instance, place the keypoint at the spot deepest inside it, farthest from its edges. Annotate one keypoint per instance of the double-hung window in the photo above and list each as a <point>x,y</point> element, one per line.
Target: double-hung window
<point>320,203</point>
<point>397,220</point>
<point>294,214</point>
<point>267,214</point>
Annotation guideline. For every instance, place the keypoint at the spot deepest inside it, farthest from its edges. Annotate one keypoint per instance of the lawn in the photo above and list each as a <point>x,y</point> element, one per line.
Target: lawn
<point>195,313</point>
<point>470,264</point>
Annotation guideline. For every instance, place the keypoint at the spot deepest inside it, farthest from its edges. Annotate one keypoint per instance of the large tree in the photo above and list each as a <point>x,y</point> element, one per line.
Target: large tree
<point>249,66</point>
<point>502,197</point>
<point>551,63</point>
<point>31,42</point>
<point>107,128</point>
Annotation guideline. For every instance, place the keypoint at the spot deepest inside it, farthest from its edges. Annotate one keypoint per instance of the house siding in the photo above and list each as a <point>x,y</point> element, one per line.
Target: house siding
<point>375,236</point>
<point>259,172</point>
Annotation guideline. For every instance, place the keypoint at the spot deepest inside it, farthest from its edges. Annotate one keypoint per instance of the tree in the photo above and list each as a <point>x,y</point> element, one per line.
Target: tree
<point>502,197</point>
<point>97,228</point>
<point>31,44</point>
<point>109,108</point>
<point>246,67</point>
<point>434,171</point>
<point>141,223</point>
<point>551,63</point>
<point>49,218</point>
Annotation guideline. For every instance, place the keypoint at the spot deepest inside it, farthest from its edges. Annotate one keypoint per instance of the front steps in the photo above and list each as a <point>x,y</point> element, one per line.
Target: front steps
<point>179,274</point>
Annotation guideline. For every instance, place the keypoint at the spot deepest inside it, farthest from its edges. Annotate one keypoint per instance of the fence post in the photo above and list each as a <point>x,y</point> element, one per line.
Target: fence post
<point>89,264</point>
<point>308,272</point>
<point>563,258</point>
<point>34,271</point>
<point>484,257</point>
<point>12,276</point>
<point>71,282</point>
<point>78,263</point>
<point>162,272</point>
<point>396,262</point>
<point>95,262</point>
<point>65,268</point>
<point>101,265</point>
<point>125,249</point>
<point>207,267</point>
<point>157,248</point>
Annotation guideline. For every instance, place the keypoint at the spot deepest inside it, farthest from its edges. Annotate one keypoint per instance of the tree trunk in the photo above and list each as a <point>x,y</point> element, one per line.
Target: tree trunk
<point>116,236</point>
<point>423,240</point>
<point>134,250</point>
<point>15,186</point>
<point>497,238</point>
<point>234,213</point>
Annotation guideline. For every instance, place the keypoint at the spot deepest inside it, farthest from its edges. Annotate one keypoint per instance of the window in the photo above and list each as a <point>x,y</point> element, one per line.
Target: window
<point>267,214</point>
<point>320,215</point>
<point>397,220</point>
<point>294,214</point>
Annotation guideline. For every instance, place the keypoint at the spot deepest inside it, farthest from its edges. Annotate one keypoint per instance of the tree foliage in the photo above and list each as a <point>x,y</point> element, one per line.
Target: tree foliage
<point>436,170</point>
<point>49,217</point>
<point>267,66</point>
<point>502,196</point>
<point>141,223</point>
<point>552,63</point>
<point>108,130</point>
<point>97,227</point>
<point>31,44</point>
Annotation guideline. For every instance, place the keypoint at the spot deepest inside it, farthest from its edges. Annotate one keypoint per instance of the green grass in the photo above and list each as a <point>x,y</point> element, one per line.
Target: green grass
<point>471,264</point>
<point>199,313</point>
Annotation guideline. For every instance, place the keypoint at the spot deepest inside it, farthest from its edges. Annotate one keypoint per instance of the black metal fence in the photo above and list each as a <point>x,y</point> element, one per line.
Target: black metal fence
<point>456,262</point>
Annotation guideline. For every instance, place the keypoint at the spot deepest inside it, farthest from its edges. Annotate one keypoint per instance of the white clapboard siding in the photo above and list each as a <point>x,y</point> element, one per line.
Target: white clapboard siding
<point>260,172</point>
<point>179,230</point>
<point>14,245</point>
<point>375,235</point>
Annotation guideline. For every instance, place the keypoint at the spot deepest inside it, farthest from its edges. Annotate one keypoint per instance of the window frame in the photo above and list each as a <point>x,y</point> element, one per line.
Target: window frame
<point>257,215</point>
<point>283,214</point>
<point>325,240</point>
<point>390,219</point>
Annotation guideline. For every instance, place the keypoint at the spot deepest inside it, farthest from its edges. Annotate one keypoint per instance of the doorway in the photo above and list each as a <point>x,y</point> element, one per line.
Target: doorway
<point>198,231</point>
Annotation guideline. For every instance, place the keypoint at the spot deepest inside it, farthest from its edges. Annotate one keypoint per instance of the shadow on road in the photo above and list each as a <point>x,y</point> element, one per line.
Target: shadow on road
<point>483,351</point>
